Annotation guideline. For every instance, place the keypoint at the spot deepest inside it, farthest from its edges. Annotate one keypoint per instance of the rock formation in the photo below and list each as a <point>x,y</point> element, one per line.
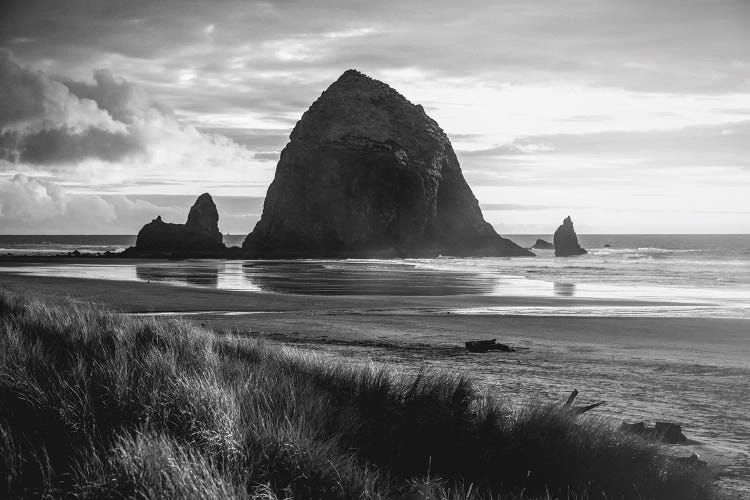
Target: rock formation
<point>566,240</point>
<point>367,173</point>
<point>667,432</point>
<point>541,244</point>
<point>198,237</point>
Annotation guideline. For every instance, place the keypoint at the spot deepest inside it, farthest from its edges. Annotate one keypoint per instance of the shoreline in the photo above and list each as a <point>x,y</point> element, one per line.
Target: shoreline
<point>140,296</point>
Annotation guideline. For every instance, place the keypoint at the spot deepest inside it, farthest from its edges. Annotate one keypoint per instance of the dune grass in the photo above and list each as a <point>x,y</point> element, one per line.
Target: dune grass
<point>97,405</point>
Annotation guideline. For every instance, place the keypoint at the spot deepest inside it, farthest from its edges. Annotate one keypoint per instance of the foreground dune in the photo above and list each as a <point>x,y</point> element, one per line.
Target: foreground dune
<point>102,406</point>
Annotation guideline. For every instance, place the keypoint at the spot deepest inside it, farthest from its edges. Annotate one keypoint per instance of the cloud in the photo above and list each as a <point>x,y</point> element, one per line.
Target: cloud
<point>124,101</point>
<point>254,139</point>
<point>256,48</point>
<point>523,146</point>
<point>501,207</point>
<point>107,132</point>
<point>267,156</point>
<point>32,205</point>
<point>722,145</point>
<point>26,202</point>
<point>64,145</point>
<point>32,102</point>
<point>43,122</point>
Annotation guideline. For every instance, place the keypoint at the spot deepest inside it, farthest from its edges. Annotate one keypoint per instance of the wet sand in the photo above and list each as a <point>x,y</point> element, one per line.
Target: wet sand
<point>140,296</point>
<point>695,371</point>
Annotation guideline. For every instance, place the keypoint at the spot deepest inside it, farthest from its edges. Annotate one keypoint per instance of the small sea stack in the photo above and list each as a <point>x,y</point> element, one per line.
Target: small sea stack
<point>566,240</point>
<point>198,237</point>
<point>368,174</point>
<point>541,244</point>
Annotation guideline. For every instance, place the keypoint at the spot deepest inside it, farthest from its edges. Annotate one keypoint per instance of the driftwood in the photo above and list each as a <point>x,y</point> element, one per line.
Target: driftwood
<point>488,345</point>
<point>584,409</point>
<point>580,409</point>
<point>666,432</point>
<point>572,397</point>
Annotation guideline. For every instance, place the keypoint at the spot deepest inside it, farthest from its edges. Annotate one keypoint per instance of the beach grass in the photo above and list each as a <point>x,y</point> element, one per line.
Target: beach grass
<point>94,404</point>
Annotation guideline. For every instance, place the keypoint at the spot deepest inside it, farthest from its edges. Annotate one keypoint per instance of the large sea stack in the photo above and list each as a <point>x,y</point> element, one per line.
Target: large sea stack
<point>368,174</point>
<point>198,237</point>
<point>566,240</point>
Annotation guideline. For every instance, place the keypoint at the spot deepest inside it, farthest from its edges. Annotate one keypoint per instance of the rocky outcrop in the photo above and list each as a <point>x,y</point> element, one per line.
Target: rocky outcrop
<point>367,173</point>
<point>566,240</point>
<point>488,345</point>
<point>541,244</point>
<point>667,432</point>
<point>198,237</point>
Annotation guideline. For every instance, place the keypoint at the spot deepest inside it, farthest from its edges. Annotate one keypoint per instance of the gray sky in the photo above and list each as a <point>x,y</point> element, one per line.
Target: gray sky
<point>630,116</point>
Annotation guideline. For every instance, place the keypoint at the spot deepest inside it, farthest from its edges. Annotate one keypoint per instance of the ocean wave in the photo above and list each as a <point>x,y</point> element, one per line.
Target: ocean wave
<point>603,311</point>
<point>557,270</point>
<point>60,249</point>
<point>643,250</point>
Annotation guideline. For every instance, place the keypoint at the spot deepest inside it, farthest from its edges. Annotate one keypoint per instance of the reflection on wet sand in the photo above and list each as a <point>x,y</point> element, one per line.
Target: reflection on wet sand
<point>564,289</point>
<point>199,273</point>
<point>358,278</point>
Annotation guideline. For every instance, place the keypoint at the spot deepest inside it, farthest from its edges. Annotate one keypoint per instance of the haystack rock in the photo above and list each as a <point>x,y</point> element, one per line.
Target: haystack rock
<point>566,240</point>
<point>198,237</point>
<point>541,244</point>
<point>367,173</point>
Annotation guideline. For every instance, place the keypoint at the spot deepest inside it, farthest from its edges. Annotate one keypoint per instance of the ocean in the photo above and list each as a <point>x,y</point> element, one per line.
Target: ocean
<point>682,275</point>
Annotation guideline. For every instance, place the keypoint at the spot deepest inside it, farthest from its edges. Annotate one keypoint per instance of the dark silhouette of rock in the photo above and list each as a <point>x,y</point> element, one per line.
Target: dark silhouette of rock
<point>202,226</point>
<point>564,289</point>
<point>634,428</point>
<point>541,244</point>
<point>607,245</point>
<point>670,432</point>
<point>367,173</point>
<point>693,461</point>
<point>198,237</point>
<point>488,345</point>
<point>666,432</point>
<point>566,240</point>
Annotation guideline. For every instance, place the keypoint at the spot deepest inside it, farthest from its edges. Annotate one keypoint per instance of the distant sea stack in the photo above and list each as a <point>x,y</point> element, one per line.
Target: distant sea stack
<point>566,240</point>
<point>368,174</point>
<point>198,237</point>
<point>541,244</point>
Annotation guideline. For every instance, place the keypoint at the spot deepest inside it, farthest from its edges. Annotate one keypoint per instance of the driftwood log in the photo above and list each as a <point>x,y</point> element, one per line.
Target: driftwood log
<point>572,397</point>
<point>666,432</point>
<point>488,345</point>
<point>580,409</point>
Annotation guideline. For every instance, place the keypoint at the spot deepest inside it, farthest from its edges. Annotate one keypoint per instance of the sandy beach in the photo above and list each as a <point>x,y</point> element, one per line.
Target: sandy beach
<point>695,371</point>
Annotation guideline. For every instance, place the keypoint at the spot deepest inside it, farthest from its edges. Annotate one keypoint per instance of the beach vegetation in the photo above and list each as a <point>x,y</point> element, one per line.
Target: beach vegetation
<point>96,404</point>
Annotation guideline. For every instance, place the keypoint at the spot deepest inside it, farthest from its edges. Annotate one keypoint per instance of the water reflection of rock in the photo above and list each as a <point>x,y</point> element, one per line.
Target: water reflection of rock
<point>359,278</point>
<point>202,274</point>
<point>564,289</point>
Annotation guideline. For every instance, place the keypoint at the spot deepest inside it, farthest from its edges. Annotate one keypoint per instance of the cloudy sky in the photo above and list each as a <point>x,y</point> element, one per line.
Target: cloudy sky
<point>630,116</point>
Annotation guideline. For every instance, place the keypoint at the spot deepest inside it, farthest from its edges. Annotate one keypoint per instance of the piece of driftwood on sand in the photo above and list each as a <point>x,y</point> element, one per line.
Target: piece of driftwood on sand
<point>488,345</point>
<point>666,432</point>
<point>581,409</point>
